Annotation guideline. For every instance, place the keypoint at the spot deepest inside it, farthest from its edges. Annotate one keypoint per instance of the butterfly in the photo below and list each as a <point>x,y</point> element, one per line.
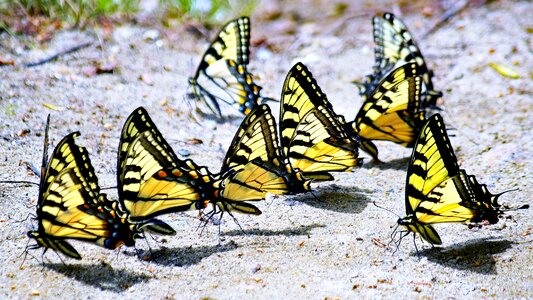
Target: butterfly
<point>391,112</point>
<point>222,74</point>
<point>438,191</point>
<point>312,134</point>
<point>151,179</point>
<point>70,204</point>
<point>394,46</point>
<point>254,166</point>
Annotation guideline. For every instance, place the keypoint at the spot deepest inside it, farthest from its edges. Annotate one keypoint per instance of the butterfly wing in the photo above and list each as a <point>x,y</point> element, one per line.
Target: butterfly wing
<point>395,46</point>
<point>222,74</point>
<point>227,81</point>
<point>152,180</point>
<point>71,206</point>
<point>312,136</point>
<point>392,112</point>
<point>437,189</point>
<point>232,42</point>
<point>254,162</point>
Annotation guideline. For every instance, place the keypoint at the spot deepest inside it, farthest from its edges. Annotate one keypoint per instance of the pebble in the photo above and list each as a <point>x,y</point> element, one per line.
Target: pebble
<point>184,152</point>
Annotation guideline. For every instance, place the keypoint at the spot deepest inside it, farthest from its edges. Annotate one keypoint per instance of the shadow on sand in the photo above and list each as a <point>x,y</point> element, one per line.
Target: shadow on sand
<point>395,164</point>
<point>476,255</point>
<point>187,256</point>
<point>339,199</point>
<point>101,276</point>
<point>293,231</point>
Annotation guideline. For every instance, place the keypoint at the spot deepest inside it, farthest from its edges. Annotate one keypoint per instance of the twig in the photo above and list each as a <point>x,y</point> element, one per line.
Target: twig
<point>55,56</point>
<point>457,8</point>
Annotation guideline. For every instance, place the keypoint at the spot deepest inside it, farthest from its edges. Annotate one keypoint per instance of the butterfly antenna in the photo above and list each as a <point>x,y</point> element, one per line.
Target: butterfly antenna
<point>19,181</point>
<point>387,210</point>
<point>316,197</point>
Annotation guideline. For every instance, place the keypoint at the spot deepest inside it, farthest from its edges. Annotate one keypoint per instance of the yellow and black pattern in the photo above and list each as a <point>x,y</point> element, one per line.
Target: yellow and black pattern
<point>312,136</point>
<point>151,179</point>
<point>254,166</point>
<point>229,82</point>
<point>232,42</point>
<point>71,206</point>
<point>438,191</point>
<point>222,74</point>
<point>392,112</point>
<point>394,46</point>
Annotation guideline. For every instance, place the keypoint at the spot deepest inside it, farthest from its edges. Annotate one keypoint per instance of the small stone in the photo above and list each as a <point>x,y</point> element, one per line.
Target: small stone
<point>184,152</point>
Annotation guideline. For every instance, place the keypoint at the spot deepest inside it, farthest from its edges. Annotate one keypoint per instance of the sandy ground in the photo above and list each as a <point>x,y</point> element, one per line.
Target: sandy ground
<point>329,246</point>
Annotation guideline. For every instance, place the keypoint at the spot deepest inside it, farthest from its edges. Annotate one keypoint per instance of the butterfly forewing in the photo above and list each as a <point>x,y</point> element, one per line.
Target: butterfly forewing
<point>312,136</point>
<point>232,42</point>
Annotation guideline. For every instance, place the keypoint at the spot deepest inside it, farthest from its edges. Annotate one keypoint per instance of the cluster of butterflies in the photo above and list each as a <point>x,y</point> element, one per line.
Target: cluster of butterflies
<point>313,142</point>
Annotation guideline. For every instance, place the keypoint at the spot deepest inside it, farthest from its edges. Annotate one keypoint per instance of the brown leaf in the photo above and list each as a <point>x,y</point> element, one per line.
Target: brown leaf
<point>194,141</point>
<point>108,67</point>
<point>6,62</point>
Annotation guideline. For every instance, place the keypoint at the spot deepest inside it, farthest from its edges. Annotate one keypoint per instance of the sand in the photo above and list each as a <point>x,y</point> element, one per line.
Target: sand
<point>332,244</point>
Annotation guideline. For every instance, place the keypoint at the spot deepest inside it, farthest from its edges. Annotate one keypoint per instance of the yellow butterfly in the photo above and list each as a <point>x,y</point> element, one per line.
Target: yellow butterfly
<point>152,180</point>
<point>392,111</point>
<point>222,74</point>
<point>312,135</point>
<point>395,47</point>
<point>254,166</point>
<point>438,191</point>
<point>70,204</point>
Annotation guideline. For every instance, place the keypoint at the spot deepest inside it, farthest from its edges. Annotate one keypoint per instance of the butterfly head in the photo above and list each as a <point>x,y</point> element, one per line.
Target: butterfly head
<point>426,231</point>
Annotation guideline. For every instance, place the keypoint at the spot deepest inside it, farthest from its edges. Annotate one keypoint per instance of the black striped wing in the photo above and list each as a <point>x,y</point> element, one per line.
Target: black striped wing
<point>222,75</point>
<point>312,136</point>
<point>229,82</point>
<point>253,165</point>
<point>392,112</point>
<point>437,190</point>
<point>232,42</point>
<point>394,46</point>
<point>151,179</point>
<point>71,206</point>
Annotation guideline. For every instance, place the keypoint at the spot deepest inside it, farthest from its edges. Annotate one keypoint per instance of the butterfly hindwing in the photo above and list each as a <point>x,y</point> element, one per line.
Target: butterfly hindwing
<point>312,136</point>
